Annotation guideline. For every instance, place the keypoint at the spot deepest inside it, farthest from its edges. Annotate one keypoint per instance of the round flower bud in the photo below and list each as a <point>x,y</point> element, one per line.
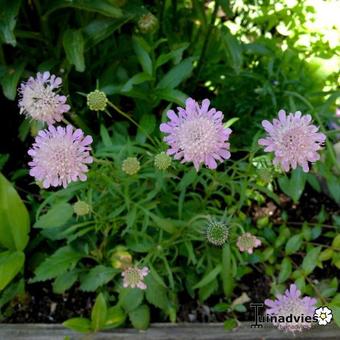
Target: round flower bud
<point>121,258</point>
<point>131,165</point>
<point>217,233</point>
<point>96,100</point>
<point>147,23</point>
<point>162,161</point>
<point>81,208</point>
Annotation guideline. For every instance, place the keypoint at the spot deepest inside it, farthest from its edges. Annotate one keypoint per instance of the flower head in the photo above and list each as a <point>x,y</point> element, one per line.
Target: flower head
<point>217,233</point>
<point>294,140</point>
<point>131,165</point>
<point>39,99</point>
<point>247,241</point>
<point>59,156</point>
<point>196,134</point>
<point>81,208</point>
<point>134,277</point>
<point>148,23</point>
<point>290,303</point>
<point>162,161</point>
<point>96,100</point>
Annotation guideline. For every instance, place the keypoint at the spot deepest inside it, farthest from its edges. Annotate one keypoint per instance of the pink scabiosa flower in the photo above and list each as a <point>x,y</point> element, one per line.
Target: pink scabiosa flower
<point>294,140</point>
<point>291,303</point>
<point>196,134</point>
<point>134,277</point>
<point>39,99</point>
<point>247,241</point>
<point>60,156</point>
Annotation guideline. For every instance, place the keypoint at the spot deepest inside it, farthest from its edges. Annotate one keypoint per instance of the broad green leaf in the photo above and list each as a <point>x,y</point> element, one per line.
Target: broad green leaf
<point>326,254</point>
<point>233,50</point>
<point>336,242</point>
<point>156,294</point>
<point>209,277</point>
<point>58,263</point>
<point>130,298</point>
<point>81,325</point>
<point>103,7</point>
<point>14,218</point>
<point>139,46</point>
<point>57,216</point>
<point>227,272</point>
<point>9,11</point>
<point>73,42</point>
<point>286,270</point>
<point>140,317</point>
<point>172,95</point>
<point>96,277</point>
<point>164,223</point>
<point>138,78</point>
<point>175,55</point>
<point>333,184</point>
<point>10,265</point>
<point>64,282</point>
<point>177,74</point>
<point>310,260</point>
<point>230,324</point>
<point>99,313</point>
<point>9,81</point>
<point>293,186</point>
<point>115,317</point>
<point>294,244</point>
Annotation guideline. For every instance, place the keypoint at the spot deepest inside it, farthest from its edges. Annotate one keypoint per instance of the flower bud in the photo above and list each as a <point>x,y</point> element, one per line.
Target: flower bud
<point>131,165</point>
<point>96,100</point>
<point>147,23</point>
<point>81,208</point>
<point>162,161</point>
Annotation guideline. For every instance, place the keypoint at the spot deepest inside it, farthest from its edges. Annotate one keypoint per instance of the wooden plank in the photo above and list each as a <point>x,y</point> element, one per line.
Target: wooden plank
<point>164,332</point>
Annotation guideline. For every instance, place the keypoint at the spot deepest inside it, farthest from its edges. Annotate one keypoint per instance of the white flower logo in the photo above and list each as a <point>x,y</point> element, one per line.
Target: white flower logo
<point>324,315</point>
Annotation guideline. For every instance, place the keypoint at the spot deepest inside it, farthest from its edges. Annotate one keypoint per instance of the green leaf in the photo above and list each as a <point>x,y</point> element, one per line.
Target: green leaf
<point>14,218</point>
<point>294,244</point>
<point>227,272</point>
<point>81,325</point>
<point>140,317</point>
<point>230,122</point>
<point>209,277</point>
<point>164,223</point>
<point>57,216</point>
<point>293,186</point>
<point>233,50</point>
<point>115,317</point>
<point>310,260</point>
<point>130,298</point>
<point>175,55</point>
<point>156,294</point>
<point>10,79</point>
<point>58,263</point>
<point>177,74</point>
<point>97,277</point>
<point>141,50</point>
<point>73,42</point>
<point>138,78</point>
<point>10,265</point>
<point>336,242</point>
<point>99,313</point>
<point>334,187</point>
<point>103,7</point>
<point>172,95</point>
<point>8,13</point>
<point>64,282</point>
<point>230,324</point>
<point>286,270</point>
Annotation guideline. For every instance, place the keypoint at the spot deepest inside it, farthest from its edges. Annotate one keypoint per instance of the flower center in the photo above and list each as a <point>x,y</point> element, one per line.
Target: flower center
<point>132,276</point>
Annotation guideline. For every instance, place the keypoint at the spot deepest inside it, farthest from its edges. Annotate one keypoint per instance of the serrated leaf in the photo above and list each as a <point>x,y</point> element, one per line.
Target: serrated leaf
<point>11,263</point>
<point>81,325</point>
<point>156,294</point>
<point>73,42</point>
<point>8,13</point>
<point>130,298</point>
<point>14,218</point>
<point>97,277</point>
<point>177,74</point>
<point>58,263</point>
<point>64,282</point>
<point>57,216</point>
<point>99,313</point>
<point>293,244</point>
<point>140,317</point>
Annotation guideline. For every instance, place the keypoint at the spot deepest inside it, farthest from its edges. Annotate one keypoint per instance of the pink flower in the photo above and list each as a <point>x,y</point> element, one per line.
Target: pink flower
<point>294,140</point>
<point>196,134</point>
<point>39,100</point>
<point>60,156</point>
<point>134,277</point>
<point>247,241</point>
<point>291,303</point>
